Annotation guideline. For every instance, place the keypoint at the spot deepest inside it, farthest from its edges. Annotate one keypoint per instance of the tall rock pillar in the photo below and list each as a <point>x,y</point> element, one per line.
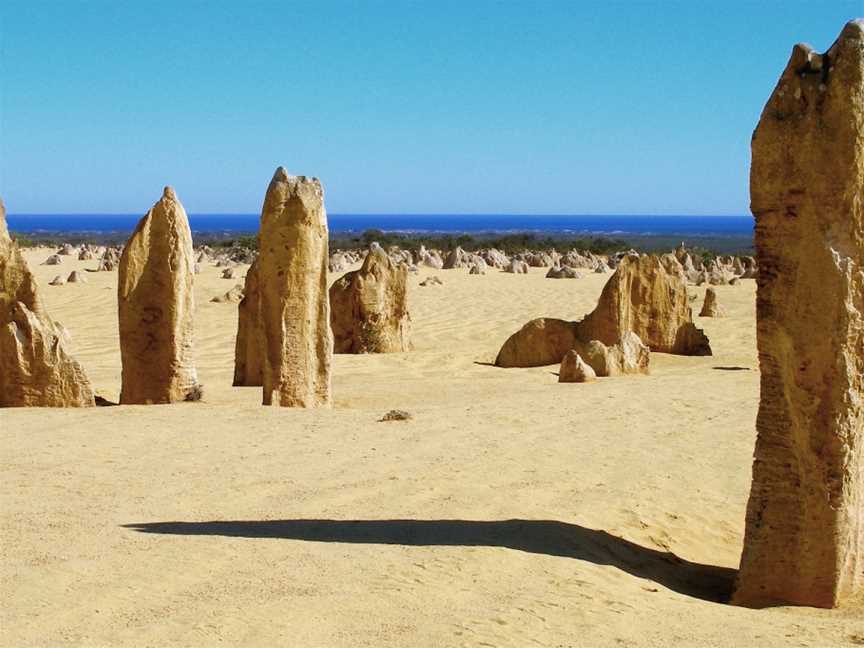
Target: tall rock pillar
<point>295,306</point>
<point>156,308</point>
<point>804,538</point>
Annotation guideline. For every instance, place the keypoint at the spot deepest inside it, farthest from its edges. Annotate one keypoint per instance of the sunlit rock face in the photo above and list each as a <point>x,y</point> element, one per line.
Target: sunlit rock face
<point>804,538</point>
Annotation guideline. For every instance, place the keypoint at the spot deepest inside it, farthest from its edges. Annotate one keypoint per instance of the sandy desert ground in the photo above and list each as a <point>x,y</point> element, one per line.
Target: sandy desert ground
<point>511,511</point>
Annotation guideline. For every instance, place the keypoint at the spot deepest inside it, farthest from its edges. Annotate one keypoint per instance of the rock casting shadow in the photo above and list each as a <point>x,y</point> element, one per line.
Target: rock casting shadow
<point>547,537</point>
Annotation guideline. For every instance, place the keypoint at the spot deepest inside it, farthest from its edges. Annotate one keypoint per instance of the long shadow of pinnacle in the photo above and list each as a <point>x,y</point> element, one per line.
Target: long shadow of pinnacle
<point>548,537</point>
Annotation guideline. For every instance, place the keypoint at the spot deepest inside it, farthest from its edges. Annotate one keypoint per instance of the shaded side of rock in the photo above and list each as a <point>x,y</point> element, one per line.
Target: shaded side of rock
<point>643,298</point>
<point>249,345</point>
<point>710,307</point>
<point>575,370</point>
<point>543,341</point>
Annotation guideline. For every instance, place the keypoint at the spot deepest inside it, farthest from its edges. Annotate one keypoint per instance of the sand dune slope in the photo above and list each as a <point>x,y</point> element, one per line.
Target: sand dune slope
<point>511,511</point>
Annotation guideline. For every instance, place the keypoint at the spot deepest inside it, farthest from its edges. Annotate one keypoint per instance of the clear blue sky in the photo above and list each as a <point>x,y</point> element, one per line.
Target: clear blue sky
<point>399,107</point>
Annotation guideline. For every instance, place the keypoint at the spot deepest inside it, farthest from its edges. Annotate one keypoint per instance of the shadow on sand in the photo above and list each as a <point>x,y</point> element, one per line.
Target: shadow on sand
<point>706,582</point>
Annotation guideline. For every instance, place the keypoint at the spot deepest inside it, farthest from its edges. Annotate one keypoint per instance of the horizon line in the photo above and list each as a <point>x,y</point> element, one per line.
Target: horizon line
<point>409,214</point>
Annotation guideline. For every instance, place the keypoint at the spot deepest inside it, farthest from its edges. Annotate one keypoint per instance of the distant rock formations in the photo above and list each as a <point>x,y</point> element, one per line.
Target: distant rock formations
<point>804,534</point>
<point>295,305</point>
<point>369,307</point>
<point>36,370</point>
<point>156,308</point>
<point>711,307</point>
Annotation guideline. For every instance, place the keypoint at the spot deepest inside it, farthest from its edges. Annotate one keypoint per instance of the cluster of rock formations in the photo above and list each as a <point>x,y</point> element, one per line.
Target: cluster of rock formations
<point>693,268</point>
<point>804,534</point>
<point>642,297</point>
<point>642,308</point>
<point>36,368</point>
<point>719,271</point>
<point>289,324</point>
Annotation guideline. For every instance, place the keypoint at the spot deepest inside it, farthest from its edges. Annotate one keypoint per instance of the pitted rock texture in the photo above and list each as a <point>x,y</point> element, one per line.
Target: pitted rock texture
<point>643,297</point>
<point>36,369</point>
<point>156,308</point>
<point>804,534</point>
<point>369,307</point>
<point>295,303</point>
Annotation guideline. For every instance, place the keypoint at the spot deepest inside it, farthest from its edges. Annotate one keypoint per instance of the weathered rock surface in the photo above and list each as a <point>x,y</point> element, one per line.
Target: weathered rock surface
<point>478,266</point>
<point>562,272</point>
<point>369,307</point>
<point>249,345</point>
<point>76,277</point>
<point>432,281</point>
<point>457,258</point>
<point>711,307</point>
<point>517,267</point>
<point>575,370</point>
<point>36,370</point>
<point>233,296</point>
<point>804,534</point>
<point>295,304</point>
<point>156,308</point>
<point>628,356</point>
<point>642,297</point>
<point>543,341</point>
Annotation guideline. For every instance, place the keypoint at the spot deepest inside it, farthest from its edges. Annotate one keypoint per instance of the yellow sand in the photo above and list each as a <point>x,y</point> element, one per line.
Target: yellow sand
<point>511,511</point>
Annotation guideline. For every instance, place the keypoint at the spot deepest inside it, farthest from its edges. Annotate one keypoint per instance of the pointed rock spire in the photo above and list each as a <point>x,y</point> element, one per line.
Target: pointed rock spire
<point>156,307</point>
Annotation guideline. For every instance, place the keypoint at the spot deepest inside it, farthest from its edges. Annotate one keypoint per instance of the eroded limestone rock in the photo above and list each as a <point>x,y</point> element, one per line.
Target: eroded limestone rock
<point>628,356</point>
<point>543,341</point>
<point>249,345</point>
<point>575,370</point>
<point>644,298</point>
<point>36,369</point>
<point>804,535</point>
<point>156,308</point>
<point>295,304</point>
<point>369,307</point>
<point>711,307</point>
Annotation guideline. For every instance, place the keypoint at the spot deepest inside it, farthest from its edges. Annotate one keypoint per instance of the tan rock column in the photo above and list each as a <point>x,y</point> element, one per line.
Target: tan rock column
<point>295,305</point>
<point>156,308</point>
<point>804,538</point>
<point>249,347</point>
